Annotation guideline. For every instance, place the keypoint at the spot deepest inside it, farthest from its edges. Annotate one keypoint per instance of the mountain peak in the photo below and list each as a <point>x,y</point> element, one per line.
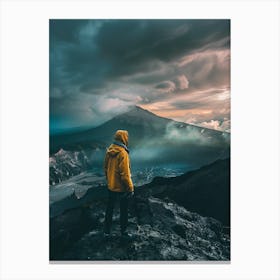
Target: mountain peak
<point>137,111</point>
<point>137,108</point>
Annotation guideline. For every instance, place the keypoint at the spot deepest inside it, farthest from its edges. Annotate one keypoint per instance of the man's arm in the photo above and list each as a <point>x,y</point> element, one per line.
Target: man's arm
<point>124,168</point>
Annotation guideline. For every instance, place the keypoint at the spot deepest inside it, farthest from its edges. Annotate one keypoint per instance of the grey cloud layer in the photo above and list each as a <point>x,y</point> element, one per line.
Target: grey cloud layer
<point>125,62</point>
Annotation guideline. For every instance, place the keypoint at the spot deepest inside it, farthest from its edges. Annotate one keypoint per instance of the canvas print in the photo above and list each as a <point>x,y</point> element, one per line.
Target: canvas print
<point>139,140</point>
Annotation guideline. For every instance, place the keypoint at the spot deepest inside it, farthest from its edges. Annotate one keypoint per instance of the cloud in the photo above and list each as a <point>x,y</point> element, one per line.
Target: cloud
<point>65,30</point>
<point>162,40</point>
<point>182,82</point>
<point>179,83</point>
<point>94,63</point>
<point>222,125</point>
<point>166,86</point>
<point>195,107</point>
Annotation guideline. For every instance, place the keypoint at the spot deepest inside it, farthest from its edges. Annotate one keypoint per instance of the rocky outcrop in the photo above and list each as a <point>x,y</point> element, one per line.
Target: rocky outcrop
<point>161,230</point>
<point>65,164</point>
<point>205,190</point>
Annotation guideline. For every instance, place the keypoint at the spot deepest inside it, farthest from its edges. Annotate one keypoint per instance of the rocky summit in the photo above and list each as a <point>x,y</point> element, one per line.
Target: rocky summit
<point>160,229</point>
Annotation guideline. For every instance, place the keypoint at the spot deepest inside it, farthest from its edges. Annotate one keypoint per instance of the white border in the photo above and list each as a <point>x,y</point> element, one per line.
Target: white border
<point>24,138</point>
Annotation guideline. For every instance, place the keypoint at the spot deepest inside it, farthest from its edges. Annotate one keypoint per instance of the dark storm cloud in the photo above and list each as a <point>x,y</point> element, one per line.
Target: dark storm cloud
<point>163,85</point>
<point>65,30</point>
<point>131,44</point>
<point>121,47</point>
<point>186,105</point>
<point>126,62</point>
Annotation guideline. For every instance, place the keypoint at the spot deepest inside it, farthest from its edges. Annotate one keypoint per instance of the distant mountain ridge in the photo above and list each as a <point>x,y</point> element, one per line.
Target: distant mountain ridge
<point>137,121</point>
<point>140,123</point>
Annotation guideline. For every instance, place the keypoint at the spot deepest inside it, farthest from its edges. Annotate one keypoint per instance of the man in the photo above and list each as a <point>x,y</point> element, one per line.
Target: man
<point>118,175</point>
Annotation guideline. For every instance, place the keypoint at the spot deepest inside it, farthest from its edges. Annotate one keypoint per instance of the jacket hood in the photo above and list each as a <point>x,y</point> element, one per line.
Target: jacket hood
<point>113,150</point>
<point>122,136</point>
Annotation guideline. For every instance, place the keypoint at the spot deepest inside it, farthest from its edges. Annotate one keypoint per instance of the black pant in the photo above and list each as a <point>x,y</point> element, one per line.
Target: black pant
<point>112,197</point>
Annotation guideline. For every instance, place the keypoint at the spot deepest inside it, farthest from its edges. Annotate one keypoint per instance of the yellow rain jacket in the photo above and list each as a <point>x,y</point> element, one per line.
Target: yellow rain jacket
<point>117,165</point>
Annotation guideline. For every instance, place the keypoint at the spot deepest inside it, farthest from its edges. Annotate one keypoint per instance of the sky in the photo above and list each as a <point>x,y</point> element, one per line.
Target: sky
<point>179,69</point>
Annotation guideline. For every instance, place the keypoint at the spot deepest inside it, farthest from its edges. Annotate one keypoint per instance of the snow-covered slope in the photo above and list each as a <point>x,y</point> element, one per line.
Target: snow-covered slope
<point>65,164</point>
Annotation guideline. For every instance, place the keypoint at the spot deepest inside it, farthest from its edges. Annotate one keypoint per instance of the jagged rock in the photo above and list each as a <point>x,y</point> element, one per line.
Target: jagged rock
<point>65,164</point>
<point>161,230</point>
<point>205,190</point>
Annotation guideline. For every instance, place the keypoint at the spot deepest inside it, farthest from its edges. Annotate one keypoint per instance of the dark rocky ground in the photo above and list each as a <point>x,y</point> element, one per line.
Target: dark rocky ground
<point>166,232</point>
<point>162,228</point>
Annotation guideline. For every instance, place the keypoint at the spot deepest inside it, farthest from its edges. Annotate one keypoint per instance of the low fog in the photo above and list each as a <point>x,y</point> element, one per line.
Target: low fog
<point>187,146</point>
